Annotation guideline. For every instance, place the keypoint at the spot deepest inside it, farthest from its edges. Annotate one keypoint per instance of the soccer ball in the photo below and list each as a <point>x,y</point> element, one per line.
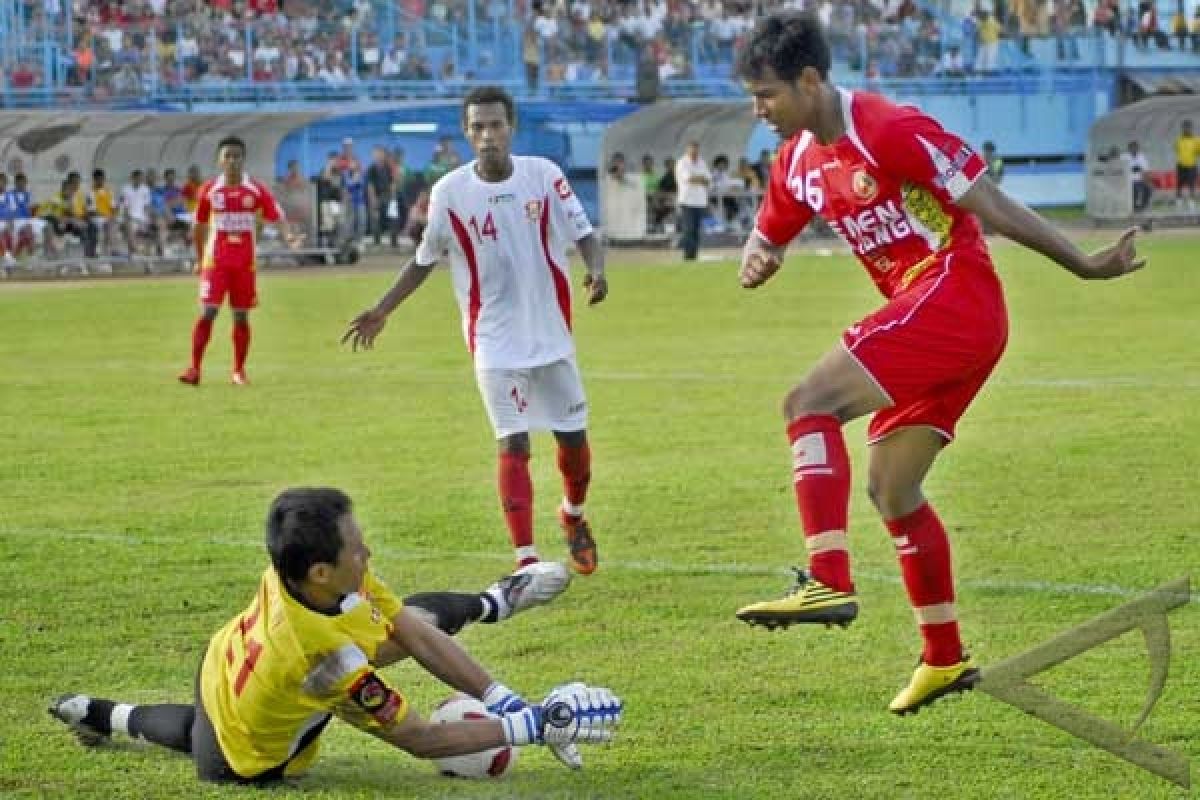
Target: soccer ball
<point>492,763</point>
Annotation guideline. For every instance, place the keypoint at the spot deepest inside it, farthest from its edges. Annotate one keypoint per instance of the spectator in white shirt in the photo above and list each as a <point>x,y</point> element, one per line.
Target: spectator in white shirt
<point>693,179</point>
<point>1138,167</point>
<point>133,209</point>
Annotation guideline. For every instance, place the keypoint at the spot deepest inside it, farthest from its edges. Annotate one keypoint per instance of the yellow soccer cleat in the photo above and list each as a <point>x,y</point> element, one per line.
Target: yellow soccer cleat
<point>808,602</point>
<point>929,683</point>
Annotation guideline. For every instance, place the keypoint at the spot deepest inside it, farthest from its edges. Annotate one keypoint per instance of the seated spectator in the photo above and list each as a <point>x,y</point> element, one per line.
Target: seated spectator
<point>668,189</point>
<point>23,76</point>
<point>136,213</point>
<point>102,211</point>
<point>170,206</point>
<point>191,188</point>
<point>7,215</point>
<point>727,190</point>
<point>25,230</point>
<point>952,65</point>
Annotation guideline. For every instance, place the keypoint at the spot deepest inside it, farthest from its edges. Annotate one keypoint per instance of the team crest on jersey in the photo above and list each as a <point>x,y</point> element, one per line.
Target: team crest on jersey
<point>865,187</point>
<point>218,201</point>
<point>247,202</point>
<point>563,188</point>
<point>371,694</point>
<point>533,209</point>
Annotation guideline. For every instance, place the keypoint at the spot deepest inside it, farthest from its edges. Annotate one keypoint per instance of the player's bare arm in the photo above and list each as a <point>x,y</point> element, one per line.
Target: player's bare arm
<point>760,261</point>
<point>199,239</point>
<point>591,250</point>
<point>439,654</point>
<point>1016,221</point>
<point>369,324</point>
<point>424,739</point>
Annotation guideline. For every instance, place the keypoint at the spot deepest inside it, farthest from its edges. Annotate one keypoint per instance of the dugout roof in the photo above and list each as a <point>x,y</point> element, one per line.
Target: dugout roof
<point>1153,123</point>
<point>664,129</point>
<point>50,144</point>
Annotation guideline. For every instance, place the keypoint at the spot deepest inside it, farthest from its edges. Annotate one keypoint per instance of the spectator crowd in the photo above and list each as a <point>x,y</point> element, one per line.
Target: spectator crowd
<point>122,48</point>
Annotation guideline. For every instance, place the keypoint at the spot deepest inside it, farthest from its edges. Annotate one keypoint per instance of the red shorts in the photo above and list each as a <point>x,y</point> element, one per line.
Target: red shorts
<point>932,347</point>
<point>239,283</point>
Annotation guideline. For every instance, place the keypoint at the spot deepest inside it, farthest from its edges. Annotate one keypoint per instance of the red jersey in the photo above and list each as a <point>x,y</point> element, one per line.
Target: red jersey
<point>232,214</point>
<point>887,187</point>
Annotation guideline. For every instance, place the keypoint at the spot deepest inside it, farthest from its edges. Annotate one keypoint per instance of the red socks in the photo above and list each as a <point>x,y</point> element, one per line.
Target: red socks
<point>241,344</point>
<point>201,333</point>
<point>575,464</point>
<point>821,477</point>
<point>924,553</point>
<point>516,497</point>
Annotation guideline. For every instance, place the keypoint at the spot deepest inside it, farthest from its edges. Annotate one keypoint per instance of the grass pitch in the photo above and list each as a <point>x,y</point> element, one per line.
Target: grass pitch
<point>133,507</point>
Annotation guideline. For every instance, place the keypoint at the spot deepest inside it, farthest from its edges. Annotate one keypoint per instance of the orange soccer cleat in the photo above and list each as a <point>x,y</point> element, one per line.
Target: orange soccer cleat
<point>580,542</point>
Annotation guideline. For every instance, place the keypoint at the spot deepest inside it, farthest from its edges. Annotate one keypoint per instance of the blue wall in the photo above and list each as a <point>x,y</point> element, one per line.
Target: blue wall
<point>567,133</point>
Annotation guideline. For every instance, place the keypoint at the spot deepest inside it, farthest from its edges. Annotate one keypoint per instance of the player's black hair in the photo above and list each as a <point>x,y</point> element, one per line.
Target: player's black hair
<point>231,141</point>
<point>486,95</point>
<point>787,43</point>
<point>97,174</point>
<point>302,530</point>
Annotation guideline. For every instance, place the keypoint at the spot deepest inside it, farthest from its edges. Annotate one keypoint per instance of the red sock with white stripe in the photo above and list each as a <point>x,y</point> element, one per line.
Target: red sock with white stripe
<point>241,344</point>
<point>821,478</point>
<point>575,464</point>
<point>516,497</point>
<point>201,333</point>
<point>924,552</point>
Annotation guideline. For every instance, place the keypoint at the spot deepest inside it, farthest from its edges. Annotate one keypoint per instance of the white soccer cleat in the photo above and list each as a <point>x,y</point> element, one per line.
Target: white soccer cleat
<point>532,585</point>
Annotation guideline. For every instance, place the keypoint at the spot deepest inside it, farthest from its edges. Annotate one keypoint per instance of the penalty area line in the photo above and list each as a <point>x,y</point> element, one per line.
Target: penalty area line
<point>652,567</point>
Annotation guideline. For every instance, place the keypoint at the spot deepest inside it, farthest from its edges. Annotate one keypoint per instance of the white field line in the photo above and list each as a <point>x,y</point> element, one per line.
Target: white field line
<point>647,567</point>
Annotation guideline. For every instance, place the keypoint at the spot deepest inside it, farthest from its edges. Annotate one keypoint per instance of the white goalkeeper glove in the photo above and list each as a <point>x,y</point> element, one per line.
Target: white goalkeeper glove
<point>571,713</point>
<point>501,700</point>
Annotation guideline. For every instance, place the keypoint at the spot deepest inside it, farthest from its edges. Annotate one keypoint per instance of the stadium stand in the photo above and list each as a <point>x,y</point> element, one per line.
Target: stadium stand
<point>1031,76</point>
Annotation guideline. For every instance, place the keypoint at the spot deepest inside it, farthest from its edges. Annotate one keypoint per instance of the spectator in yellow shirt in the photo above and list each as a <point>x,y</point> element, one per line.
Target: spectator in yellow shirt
<point>1186,147</point>
<point>102,209</point>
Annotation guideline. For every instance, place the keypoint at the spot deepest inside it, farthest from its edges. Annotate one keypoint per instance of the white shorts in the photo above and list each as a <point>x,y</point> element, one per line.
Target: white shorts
<point>546,398</point>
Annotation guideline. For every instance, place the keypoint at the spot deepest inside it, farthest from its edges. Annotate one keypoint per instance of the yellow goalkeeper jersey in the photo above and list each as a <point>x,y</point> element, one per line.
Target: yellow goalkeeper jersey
<point>276,672</point>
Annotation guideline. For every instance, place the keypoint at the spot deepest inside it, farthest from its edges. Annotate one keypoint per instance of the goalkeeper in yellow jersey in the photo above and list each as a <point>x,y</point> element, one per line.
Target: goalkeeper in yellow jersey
<point>307,649</point>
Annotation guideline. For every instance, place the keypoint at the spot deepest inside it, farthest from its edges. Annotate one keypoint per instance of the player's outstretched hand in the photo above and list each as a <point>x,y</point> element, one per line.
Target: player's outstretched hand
<point>597,286</point>
<point>758,265</point>
<point>501,700</point>
<point>579,713</point>
<point>1119,258</point>
<point>363,329</point>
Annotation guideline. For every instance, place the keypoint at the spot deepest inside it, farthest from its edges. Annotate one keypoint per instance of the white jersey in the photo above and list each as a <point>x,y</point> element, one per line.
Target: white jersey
<point>507,244</point>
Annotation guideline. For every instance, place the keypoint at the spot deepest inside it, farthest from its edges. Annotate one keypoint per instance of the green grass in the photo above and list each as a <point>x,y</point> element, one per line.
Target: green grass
<point>132,512</point>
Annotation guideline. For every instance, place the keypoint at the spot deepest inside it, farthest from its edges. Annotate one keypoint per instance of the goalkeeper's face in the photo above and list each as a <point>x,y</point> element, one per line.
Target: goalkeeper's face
<point>351,568</point>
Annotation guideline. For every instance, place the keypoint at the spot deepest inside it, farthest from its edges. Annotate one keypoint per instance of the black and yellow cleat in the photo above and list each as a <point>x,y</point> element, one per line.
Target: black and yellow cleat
<point>808,602</point>
<point>930,683</point>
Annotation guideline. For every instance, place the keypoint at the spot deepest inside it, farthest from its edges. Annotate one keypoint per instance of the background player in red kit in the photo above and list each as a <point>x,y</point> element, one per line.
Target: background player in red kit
<point>228,210</point>
<point>905,195</point>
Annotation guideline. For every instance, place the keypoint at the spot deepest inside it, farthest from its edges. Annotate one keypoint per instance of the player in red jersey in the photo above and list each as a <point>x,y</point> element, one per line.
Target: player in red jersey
<point>228,212</point>
<point>907,197</point>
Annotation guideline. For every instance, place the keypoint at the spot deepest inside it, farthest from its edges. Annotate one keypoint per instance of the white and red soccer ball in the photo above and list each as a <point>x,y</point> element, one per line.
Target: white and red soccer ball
<point>494,763</point>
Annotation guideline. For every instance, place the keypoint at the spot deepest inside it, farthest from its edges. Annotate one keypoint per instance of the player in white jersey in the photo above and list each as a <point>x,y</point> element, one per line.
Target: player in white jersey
<point>505,223</point>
